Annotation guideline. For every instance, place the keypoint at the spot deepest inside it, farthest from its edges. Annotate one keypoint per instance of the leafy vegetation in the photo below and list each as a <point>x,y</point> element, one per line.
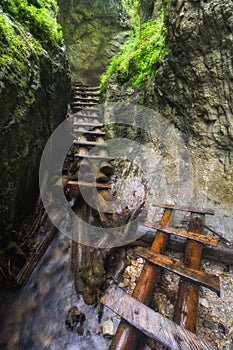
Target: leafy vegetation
<point>37,17</point>
<point>144,50</point>
<point>27,27</point>
<point>14,48</point>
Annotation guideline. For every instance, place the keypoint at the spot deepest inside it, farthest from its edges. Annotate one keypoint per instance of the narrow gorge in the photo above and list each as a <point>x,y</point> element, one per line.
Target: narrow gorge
<point>116,184</point>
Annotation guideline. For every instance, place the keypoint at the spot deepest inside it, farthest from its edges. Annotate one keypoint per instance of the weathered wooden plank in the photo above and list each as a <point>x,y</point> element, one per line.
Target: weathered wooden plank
<point>89,116</point>
<point>89,184</point>
<point>185,208</point>
<point>89,143</point>
<point>94,156</point>
<point>186,234</point>
<point>84,104</point>
<point>206,279</point>
<point>152,323</point>
<point>89,132</point>
<point>89,124</point>
<point>222,253</point>
<point>126,336</point>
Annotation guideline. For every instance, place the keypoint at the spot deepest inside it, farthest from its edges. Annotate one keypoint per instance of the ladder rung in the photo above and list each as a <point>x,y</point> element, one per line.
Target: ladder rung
<point>90,99</point>
<point>94,125</point>
<point>89,89</point>
<point>90,143</point>
<point>185,208</point>
<point>206,279</point>
<point>89,184</point>
<point>77,115</point>
<point>84,104</point>
<point>93,156</point>
<point>182,233</point>
<point>89,132</point>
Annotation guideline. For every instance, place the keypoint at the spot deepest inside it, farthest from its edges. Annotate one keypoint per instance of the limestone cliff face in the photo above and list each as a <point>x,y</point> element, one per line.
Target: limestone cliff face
<point>194,86</point>
<point>32,104</point>
<point>193,90</point>
<point>93,32</point>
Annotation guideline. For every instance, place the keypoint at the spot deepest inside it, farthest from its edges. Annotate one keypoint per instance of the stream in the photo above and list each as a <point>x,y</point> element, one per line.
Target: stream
<point>33,317</point>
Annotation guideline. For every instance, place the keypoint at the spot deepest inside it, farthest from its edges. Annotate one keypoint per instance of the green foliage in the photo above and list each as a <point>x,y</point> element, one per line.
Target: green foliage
<point>38,17</point>
<point>130,7</point>
<point>139,57</point>
<point>15,48</point>
<point>26,28</point>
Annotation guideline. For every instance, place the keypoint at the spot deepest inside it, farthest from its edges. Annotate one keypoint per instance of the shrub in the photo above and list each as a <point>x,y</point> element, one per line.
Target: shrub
<point>139,57</point>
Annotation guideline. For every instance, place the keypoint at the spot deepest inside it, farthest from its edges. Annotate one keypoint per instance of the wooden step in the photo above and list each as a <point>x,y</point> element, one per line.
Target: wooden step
<point>83,104</point>
<point>85,87</point>
<point>205,279</point>
<point>90,143</point>
<point>151,323</point>
<point>86,93</point>
<point>89,184</point>
<point>85,99</point>
<point>82,115</point>
<point>185,208</point>
<point>93,156</point>
<point>182,233</point>
<point>89,132</point>
<point>92,109</point>
<point>93,125</point>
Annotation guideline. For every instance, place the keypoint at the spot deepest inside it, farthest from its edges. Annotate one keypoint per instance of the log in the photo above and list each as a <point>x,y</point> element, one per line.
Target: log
<point>151,323</point>
<point>126,336</point>
<point>185,313</point>
<point>24,274</point>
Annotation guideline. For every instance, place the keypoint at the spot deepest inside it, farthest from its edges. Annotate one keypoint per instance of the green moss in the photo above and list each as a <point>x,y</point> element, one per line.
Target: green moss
<point>37,17</point>
<point>27,27</point>
<point>141,55</point>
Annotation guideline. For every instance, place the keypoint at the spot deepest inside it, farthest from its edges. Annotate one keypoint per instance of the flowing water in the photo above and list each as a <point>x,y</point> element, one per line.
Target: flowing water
<point>34,316</point>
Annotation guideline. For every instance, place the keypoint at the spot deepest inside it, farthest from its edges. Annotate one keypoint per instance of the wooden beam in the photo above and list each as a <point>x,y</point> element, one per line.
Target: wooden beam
<point>206,279</point>
<point>89,124</point>
<point>185,208</point>
<point>222,253</point>
<point>93,156</point>
<point>186,234</point>
<point>186,306</point>
<point>152,323</point>
<point>89,184</point>
<point>89,143</point>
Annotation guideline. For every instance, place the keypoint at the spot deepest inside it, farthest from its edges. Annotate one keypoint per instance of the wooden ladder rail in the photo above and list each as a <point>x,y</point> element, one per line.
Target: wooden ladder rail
<point>126,336</point>
<point>185,313</point>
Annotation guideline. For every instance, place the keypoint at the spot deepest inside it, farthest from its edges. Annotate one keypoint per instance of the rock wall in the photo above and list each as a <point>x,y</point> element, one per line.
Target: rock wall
<point>93,31</point>
<point>193,90</point>
<point>31,106</point>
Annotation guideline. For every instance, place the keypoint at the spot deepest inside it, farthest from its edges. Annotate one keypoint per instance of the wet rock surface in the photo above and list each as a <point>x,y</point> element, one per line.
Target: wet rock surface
<point>93,32</point>
<point>32,106</point>
<point>191,90</point>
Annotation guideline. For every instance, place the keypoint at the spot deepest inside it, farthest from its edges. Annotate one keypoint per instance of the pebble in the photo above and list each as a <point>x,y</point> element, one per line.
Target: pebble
<point>108,329</point>
<point>204,302</point>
